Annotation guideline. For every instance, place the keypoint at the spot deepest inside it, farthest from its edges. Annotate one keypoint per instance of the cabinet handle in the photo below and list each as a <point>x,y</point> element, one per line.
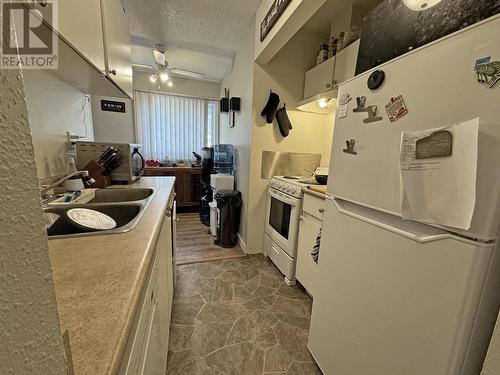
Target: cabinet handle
<point>113,72</point>
<point>43,3</point>
<point>328,85</point>
<point>321,210</point>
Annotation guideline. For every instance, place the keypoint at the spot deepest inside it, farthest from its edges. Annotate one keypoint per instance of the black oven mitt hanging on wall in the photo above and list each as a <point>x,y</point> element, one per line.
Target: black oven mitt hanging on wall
<point>271,106</point>
<point>284,123</point>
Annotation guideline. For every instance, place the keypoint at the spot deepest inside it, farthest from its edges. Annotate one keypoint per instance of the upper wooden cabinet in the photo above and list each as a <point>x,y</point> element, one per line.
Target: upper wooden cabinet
<point>320,78</point>
<point>117,44</point>
<point>345,64</point>
<point>327,75</point>
<point>79,24</point>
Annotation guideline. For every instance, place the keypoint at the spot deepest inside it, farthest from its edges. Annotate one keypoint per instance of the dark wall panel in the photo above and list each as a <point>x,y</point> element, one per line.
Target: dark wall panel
<point>392,29</point>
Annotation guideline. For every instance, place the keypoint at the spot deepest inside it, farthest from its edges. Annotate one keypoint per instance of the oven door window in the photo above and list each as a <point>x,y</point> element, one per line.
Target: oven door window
<point>279,216</point>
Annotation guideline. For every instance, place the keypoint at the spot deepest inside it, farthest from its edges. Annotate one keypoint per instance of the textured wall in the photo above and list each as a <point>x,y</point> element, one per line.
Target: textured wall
<point>113,126</point>
<point>239,80</point>
<point>29,326</point>
<point>54,107</point>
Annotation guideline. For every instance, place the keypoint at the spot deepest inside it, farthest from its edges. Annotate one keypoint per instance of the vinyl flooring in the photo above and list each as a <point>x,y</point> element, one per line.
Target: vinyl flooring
<point>238,317</point>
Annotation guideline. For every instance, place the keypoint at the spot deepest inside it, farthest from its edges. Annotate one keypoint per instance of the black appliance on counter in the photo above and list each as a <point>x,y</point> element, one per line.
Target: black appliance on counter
<point>393,28</point>
<point>207,164</point>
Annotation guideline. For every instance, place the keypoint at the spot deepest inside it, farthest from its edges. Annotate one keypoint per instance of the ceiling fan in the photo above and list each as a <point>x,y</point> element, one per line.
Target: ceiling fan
<point>162,69</point>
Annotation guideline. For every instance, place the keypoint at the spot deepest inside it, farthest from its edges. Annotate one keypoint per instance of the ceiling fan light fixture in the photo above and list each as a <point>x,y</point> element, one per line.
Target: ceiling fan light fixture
<point>170,83</point>
<point>153,78</point>
<point>159,57</point>
<point>164,77</point>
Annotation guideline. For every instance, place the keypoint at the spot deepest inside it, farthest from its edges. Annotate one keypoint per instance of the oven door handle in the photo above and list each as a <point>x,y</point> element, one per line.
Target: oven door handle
<point>282,197</point>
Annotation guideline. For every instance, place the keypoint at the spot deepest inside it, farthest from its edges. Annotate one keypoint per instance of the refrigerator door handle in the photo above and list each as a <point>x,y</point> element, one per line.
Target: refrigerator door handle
<point>415,231</point>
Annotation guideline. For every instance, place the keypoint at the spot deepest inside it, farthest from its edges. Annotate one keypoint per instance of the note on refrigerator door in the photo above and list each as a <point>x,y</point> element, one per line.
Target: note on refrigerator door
<point>438,174</point>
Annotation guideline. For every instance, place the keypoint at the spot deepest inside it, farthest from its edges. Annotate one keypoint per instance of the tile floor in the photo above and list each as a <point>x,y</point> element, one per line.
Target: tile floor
<point>238,317</point>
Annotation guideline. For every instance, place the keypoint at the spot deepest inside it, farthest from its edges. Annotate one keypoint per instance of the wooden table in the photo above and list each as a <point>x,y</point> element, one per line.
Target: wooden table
<point>187,183</point>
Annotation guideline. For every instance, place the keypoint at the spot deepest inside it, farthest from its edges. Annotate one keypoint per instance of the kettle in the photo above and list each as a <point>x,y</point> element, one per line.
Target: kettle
<point>138,162</point>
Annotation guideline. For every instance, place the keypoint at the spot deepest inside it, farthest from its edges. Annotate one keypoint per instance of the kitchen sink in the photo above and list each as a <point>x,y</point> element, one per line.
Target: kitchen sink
<point>125,206</point>
<point>121,195</point>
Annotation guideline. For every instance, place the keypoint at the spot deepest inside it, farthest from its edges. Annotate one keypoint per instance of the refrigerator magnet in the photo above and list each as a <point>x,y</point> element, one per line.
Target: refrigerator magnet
<point>342,110</point>
<point>344,105</point>
<point>396,108</point>
<point>372,114</point>
<point>345,98</point>
<point>488,74</point>
<point>360,101</point>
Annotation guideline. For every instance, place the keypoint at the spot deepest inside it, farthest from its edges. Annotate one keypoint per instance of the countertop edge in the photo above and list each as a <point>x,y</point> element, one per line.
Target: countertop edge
<point>124,338</point>
<point>314,193</point>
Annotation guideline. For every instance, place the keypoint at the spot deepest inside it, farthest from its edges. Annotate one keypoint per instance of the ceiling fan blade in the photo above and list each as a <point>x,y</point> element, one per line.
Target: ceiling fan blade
<point>187,73</point>
<point>159,57</point>
<point>143,67</point>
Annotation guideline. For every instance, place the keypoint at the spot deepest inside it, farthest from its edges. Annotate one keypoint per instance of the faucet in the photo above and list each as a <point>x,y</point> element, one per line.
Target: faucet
<point>89,181</point>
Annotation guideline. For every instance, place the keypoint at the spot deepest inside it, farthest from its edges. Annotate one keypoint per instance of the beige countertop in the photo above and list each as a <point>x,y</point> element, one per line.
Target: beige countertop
<point>313,192</point>
<point>99,280</point>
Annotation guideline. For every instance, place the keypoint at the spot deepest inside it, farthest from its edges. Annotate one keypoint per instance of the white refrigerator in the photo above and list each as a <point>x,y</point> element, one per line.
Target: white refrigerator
<point>394,296</point>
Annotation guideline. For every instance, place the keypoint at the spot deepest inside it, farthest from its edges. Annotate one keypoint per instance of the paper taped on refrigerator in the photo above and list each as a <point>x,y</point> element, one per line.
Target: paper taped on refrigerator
<point>438,174</point>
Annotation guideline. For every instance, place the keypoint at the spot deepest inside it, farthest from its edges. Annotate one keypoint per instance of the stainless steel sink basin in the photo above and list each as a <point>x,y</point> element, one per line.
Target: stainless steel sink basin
<point>125,206</point>
<point>121,195</point>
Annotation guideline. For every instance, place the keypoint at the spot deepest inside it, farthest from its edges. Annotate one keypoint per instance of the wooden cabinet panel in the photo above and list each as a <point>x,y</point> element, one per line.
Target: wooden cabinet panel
<point>187,183</point>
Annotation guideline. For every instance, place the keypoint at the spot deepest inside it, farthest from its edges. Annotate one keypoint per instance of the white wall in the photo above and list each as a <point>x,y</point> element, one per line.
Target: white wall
<point>239,80</point>
<point>311,132</point>
<point>113,126</point>
<point>182,86</point>
<point>54,107</point>
<point>29,326</point>
<point>293,18</point>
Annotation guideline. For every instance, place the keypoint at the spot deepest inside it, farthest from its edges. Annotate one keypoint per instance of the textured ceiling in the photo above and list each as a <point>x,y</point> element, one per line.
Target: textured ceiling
<point>200,35</point>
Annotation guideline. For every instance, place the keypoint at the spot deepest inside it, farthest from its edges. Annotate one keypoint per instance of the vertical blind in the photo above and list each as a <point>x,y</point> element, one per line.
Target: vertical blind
<point>173,126</point>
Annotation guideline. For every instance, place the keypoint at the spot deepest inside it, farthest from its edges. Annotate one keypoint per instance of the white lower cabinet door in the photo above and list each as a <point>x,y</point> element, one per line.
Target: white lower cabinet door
<point>306,267</point>
<point>154,363</point>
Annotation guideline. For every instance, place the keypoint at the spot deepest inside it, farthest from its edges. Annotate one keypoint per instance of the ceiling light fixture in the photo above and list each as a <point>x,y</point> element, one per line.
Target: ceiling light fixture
<point>153,78</point>
<point>170,83</point>
<point>419,5</point>
<point>323,103</point>
<point>164,77</point>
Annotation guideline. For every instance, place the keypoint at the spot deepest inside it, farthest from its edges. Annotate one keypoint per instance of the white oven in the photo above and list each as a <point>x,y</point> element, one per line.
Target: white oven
<point>282,220</point>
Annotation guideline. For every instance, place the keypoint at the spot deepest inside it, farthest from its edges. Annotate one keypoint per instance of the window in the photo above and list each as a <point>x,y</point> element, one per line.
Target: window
<point>170,126</point>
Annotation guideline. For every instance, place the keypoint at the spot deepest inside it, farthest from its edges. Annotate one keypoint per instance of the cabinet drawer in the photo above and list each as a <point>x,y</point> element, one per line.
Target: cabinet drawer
<point>281,259</point>
<point>313,206</point>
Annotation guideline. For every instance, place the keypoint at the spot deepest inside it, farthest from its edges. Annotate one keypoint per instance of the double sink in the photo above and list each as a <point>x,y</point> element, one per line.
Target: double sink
<point>124,205</point>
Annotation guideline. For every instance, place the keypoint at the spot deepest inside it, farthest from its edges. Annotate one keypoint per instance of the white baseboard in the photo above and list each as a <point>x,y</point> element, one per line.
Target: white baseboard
<point>244,247</point>
<point>242,244</point>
